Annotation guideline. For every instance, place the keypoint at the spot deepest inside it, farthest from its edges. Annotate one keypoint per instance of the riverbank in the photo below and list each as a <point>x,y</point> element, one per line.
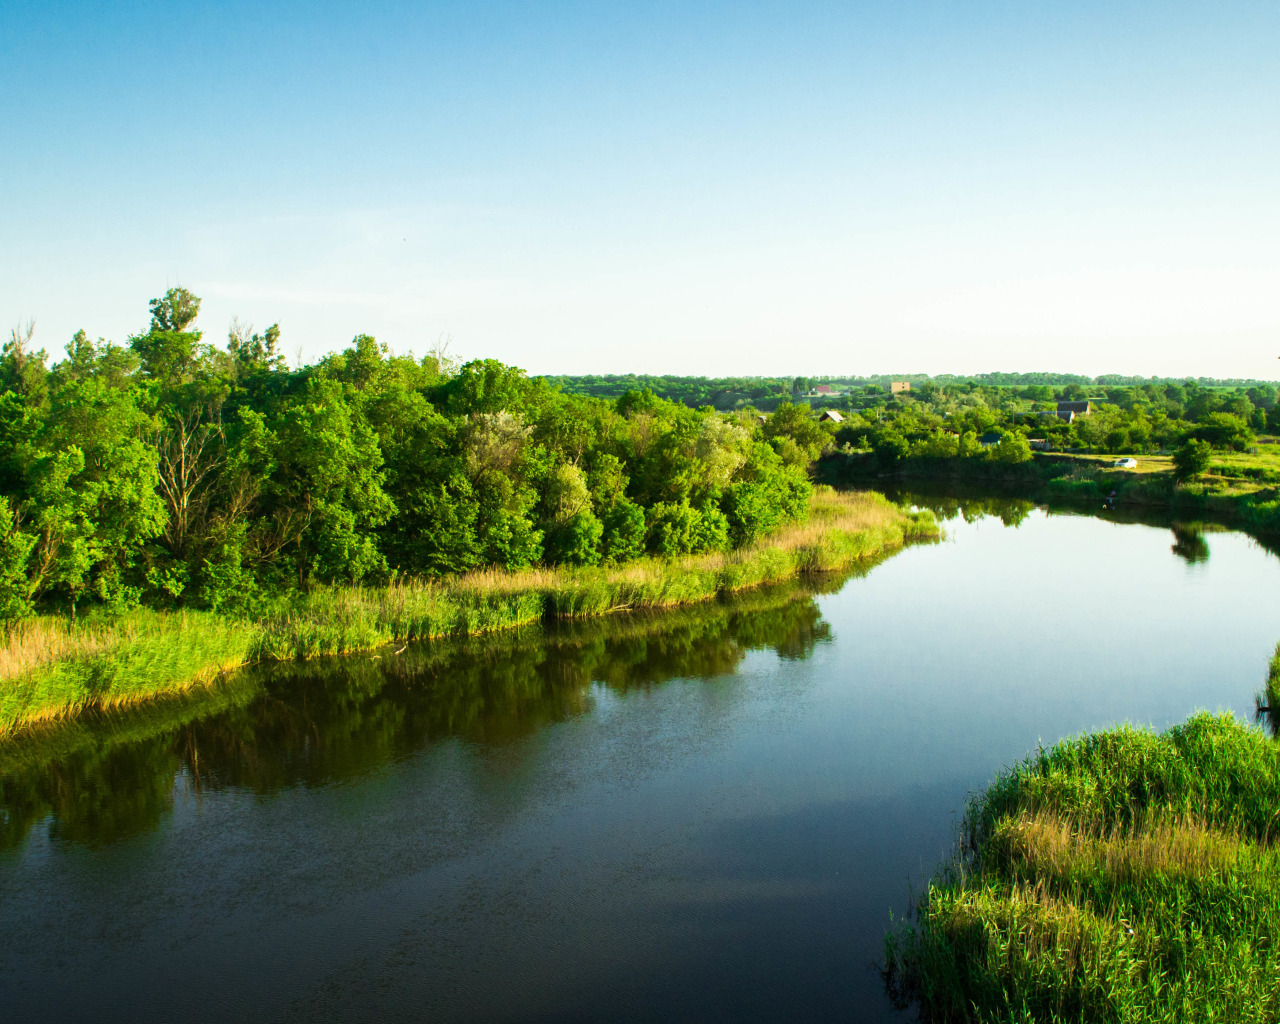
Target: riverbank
<point>352,714</point>
<point>1238,491</point>
<point>50,669</point>
<point>1119,876</point>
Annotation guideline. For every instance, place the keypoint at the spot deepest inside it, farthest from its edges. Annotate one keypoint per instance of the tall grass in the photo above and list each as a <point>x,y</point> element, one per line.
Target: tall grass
<point>49,668</point>
<point>1123,876</point>
<point>341,619</point>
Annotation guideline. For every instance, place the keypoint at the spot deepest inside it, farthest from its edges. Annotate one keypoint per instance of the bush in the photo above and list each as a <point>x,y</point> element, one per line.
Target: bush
<point>576,541</point>
<point>1192,459</point>
<point>1011,449</point>
<point>891,448</point>
<point>681,529</point>
<point>623,538</point>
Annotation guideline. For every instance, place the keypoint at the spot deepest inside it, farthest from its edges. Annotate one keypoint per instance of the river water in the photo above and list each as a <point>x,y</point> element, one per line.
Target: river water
<point>704,815</point>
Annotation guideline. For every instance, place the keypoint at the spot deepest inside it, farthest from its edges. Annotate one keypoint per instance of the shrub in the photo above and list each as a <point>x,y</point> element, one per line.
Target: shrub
<point>1192,458</point>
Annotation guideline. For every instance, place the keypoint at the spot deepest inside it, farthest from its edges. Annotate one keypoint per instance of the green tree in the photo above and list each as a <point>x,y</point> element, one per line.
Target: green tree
<point>1012,449</point>
<point>891,448</point>
<point>624,533</point>
<point>1192,458</point>
<point>15,549</point>
<point>797,423</point>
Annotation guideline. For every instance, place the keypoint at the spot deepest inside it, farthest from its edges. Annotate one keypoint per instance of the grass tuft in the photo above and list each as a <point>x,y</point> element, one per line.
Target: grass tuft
<point>1123,876</point>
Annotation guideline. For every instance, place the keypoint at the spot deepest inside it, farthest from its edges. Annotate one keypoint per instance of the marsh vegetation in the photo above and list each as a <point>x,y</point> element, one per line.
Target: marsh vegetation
<point>1120,876</point>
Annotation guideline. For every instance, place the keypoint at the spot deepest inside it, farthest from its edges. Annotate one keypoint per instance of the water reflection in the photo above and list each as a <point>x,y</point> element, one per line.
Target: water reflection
<point>1189,543</point>
<point>313,723</point>
<point>971,506</point>
<point>1010,511</point>
<point>1267,700</point>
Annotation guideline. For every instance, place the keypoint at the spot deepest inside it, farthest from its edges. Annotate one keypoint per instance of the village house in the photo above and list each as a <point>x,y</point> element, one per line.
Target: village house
<point>897,386</point>
<point>830,416</point>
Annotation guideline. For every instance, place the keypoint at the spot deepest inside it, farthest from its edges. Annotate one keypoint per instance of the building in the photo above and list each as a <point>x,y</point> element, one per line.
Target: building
<point>830,416</point>
<point>1077,408</point>
<point>822,389</point>
<point>1061,414</point>
<point>988,439</point>
<point>896,386</point>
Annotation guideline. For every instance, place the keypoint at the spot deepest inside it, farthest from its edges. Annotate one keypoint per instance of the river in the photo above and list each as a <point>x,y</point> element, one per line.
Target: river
<point>704,815</point>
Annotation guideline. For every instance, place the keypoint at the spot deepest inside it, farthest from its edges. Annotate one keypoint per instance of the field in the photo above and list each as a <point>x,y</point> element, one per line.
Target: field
<point>1246,470</point>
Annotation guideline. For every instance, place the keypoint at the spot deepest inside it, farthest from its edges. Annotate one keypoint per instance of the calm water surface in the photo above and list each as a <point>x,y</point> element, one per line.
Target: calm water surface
<point>703,815</point>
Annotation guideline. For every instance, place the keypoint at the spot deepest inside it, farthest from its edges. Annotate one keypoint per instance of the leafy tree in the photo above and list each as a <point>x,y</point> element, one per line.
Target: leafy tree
<point>624,533</point>
<point>15,549</point>
<point>1012,448</point>
<point>768,494</point>
<point>797,423</point>
<point>1192,458</point>
<point>1224,430</point>
<point>577,540</point>
<point>680,529</point>
<point>891,448</point>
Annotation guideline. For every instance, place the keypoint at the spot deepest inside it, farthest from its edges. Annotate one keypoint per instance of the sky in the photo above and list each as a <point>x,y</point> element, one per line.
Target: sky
<point>687,188</point>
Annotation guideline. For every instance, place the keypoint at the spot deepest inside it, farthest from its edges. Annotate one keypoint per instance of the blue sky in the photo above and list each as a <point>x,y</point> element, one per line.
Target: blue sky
<point>659,187</point>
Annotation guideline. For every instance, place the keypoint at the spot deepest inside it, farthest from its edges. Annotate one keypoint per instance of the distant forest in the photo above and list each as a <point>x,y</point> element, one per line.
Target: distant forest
<point>765,393</point>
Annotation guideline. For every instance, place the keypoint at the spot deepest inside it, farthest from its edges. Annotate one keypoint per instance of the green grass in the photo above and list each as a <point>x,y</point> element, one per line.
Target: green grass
<point>1269,699</point>
<point>56,669</point>
<point>50,668</point>
<point>1122,876</point>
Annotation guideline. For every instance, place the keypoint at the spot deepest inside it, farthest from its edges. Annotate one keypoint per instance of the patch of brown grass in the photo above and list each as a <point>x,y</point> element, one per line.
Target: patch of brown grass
<point>42,641</point>
<point>1048,844</point>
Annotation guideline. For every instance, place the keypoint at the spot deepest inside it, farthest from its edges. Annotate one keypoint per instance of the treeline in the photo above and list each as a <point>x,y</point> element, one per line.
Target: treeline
<point>722,393</point>
<point>953,420</point>
<point>726,393</point>
<point>171,472</point>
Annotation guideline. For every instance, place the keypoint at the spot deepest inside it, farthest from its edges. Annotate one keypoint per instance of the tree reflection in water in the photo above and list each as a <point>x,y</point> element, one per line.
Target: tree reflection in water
<point>1189,543</point>
<point>312,723</point>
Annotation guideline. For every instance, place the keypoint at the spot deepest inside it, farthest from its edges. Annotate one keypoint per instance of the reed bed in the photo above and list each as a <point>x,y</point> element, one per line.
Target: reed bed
<point>50,669</point>
<point>1272,691</point>
<point>1123,876</point>
<point>343,619</point>
<point>54,669</point>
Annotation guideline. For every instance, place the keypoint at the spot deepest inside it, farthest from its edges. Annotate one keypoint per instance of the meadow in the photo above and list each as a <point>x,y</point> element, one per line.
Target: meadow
<point>51,668</point>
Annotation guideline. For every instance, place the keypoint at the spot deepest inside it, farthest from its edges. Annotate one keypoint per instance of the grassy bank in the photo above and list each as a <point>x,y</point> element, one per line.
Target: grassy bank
<point>100,778</point>
<point>1239,490</point>
<point>1123,876</point>
<point>51,669</point>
